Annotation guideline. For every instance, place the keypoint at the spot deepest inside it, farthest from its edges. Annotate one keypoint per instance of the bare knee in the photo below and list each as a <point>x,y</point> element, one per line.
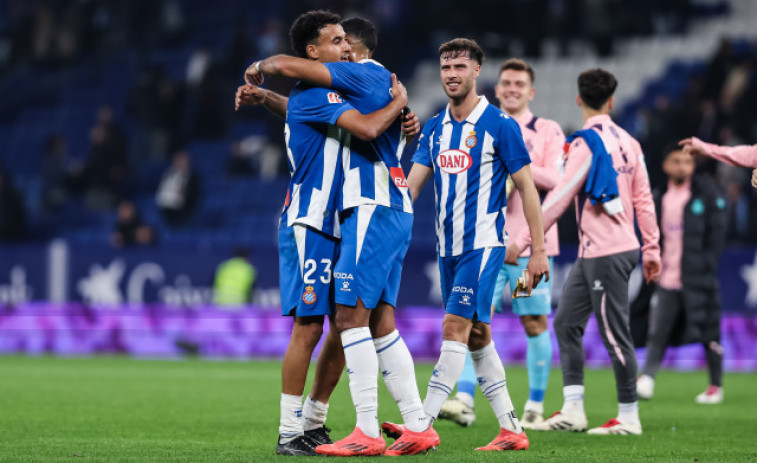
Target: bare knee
<point>480,336</point>
<point>307,332</point>
<point>382,320</point>
<point>351,317</point>
<point>456,328</point>
<point>534,325</point>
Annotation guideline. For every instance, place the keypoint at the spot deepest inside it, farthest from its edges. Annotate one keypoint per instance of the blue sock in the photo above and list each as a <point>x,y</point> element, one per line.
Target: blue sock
<point>538,362</point>
<point>467,382</point>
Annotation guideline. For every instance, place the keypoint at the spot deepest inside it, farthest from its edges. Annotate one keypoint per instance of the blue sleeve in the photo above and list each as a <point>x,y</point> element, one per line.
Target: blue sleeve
<point>354,79</point>
<point>512,150</point>
<point>425,142</point>
<point>319,105</point>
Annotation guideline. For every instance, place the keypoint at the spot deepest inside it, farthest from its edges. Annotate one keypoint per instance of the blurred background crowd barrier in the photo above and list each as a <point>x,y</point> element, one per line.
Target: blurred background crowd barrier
<point>104,103</point>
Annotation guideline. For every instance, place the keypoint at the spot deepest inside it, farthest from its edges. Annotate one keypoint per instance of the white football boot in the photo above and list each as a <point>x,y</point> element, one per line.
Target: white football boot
<point>615,427</point>
<point>713,395</point>
<point>457,411</point>
<point>560,421</point>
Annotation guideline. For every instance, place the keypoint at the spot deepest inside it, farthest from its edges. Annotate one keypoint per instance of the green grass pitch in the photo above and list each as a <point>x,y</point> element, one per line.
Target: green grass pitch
<point>116,409</point>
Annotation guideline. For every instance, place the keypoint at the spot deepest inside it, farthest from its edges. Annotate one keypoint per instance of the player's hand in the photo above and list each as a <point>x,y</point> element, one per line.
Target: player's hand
<point>249,95</point>
<point>689,147</point>
<point>398,91</point>
<point>410,124</point>
<point>512,253</point>
<point>252,74</point>
<point>538,267</point>
<point>652,270</point>
<point>754,178</point>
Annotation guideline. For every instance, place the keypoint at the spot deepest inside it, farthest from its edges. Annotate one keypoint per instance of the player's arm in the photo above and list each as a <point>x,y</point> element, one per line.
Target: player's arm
<point>557,201</point>
<point>310,71</point>
<point>646,217</point>
<point>754,178</point>
<point>417,178</point>
<point>369,126</point>
<point>546,172</point>
<point>743,156</point>
<point>252,95</point>
<point>538,264</point>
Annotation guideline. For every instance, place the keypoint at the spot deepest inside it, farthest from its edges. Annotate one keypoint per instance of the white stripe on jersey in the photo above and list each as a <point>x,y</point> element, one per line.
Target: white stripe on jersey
<point>484,259</point>
<point>381,181</point>
<point>294,204</point>
<point>407,203</point>
<point>286,143</point>
<point>350,195</point>
<point>364,214</point>
<point>443,146</point>
<point>458,212</point>
<point>485,222</point>
<point>319,198</point>
<point>299,237</point>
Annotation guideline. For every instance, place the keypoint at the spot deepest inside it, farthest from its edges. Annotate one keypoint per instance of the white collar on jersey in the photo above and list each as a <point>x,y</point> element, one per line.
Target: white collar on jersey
<point>368,60</point>
<point>474,115</point>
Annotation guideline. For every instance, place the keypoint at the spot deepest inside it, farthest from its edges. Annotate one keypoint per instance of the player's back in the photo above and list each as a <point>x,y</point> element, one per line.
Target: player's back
<point>600,233</point>
<point>314,146</point>
<point>372,171</point>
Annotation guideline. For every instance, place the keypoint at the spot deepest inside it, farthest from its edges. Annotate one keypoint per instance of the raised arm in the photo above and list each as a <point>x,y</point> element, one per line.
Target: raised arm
<point>557,201</point>
<point>743,156</point>
<point>370,126</point>
<point>251,95</point>
<point>538,264</point>
<point>310,71</point>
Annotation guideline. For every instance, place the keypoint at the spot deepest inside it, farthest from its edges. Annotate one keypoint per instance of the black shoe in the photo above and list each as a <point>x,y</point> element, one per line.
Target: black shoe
<point>319,436</point>
<point>299,446</point>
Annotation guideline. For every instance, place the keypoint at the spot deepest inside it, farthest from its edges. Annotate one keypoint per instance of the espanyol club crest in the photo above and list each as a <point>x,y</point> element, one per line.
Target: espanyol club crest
<point>454,161</point>
<point>308,297</point>
<point>471,141</point>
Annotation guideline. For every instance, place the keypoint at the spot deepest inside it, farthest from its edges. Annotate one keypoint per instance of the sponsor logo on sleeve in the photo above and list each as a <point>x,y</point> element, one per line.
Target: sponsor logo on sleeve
<point>334,97</point>
<point>398,177</point>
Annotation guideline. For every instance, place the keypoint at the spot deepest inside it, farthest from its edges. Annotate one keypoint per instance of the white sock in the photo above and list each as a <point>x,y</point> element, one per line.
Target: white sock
<point>538,407</point>
<point>313,414</point>
<point>362,368</point>
<point>396,365</point>
<point>628,413</point>
<point>493,383</point>
<point>290,422</point>
<point>445,375</point>
<point>465,398</point>
<point>574,400</point>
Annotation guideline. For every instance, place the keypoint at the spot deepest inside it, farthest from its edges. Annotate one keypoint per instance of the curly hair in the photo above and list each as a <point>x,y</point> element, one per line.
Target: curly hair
<point>307,28</point>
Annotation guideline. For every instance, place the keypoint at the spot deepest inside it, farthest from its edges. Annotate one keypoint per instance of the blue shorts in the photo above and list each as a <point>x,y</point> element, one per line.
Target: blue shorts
<point>468,282</point>
<point>306,259</point>
<point>374,243</point>
<point>540,302</point>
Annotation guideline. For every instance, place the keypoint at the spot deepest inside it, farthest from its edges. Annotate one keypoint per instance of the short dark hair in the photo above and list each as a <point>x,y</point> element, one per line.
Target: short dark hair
<point>669,148</point>
<point>307,28</point>
<point>518,65</point>
<point>596,86</point>
<point>461,47</point>
<point>363,30</point>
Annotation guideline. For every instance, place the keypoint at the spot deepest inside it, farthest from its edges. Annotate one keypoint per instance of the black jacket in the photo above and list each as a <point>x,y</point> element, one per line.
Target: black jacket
<point>704,233</point>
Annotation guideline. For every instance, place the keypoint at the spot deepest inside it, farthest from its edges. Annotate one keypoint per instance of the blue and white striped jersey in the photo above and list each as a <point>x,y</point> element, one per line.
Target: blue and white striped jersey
<point>471,161</point>
<point>314,153</point>
<point>372,171</point>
